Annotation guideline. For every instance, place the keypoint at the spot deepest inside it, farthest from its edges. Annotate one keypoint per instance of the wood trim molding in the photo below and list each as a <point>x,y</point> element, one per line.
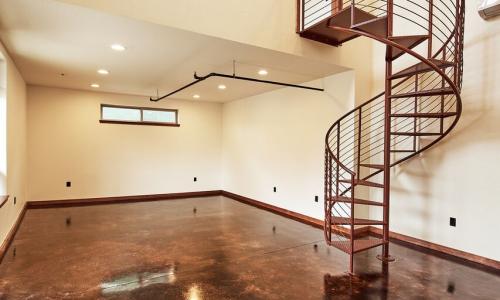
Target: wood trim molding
<point>359,232</point>
<point>436,248</point>
<point>10,236</point>
<point>3,200</point>
<point>121,199</point>
<point>139,123</point>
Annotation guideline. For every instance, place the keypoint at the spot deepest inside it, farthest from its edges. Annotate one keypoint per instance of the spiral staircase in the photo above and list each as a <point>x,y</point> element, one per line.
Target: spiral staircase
<point>420,105</point>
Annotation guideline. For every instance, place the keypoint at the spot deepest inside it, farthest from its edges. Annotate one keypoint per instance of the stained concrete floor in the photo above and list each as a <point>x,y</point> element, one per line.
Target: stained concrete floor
<point>224,250</point>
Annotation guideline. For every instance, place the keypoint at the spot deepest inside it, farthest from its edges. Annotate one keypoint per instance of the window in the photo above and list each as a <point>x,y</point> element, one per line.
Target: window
<point>138,115</point>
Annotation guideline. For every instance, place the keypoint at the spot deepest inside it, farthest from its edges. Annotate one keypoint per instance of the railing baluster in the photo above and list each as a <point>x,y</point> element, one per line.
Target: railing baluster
<point>359,143</point>
<point>415,109</point>
<point>431,14</point>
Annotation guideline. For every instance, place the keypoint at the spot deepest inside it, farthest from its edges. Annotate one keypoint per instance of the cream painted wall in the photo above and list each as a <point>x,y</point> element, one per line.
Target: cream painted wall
<point>67,143</point>
<point>16,146</point>
<point>458,177</point>
<point>277,140</point>
<point>264,23</point>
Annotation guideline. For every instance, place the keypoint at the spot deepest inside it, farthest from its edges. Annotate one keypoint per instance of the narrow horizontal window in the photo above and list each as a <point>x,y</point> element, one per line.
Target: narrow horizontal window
<point>159,116</point>
<point>121,114</point>
<point>138,115</point>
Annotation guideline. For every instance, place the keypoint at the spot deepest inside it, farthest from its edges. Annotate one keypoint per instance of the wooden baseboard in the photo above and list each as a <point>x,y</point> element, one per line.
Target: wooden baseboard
<point>121,199</point>
<point>359,232</point>
<point>10,236</point>
<point>436,248</point>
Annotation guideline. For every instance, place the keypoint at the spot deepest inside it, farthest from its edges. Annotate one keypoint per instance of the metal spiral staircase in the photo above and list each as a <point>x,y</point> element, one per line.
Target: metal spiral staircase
<point>420,105</point>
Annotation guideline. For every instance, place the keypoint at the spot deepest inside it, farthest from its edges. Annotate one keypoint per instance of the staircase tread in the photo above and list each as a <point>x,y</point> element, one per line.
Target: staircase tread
<point>359,245</point>
<point>408,41</point>
<point>376,26</point>
<point>402,151</point>
<point>357,221</point>
<point>373,166</point>
<point>356,201</point>
<point>433,92</point>
<point>363,182</point>
<point>416,133</point>
<point>421,67</point>
<point>408,37</point>
<point>345,14</point>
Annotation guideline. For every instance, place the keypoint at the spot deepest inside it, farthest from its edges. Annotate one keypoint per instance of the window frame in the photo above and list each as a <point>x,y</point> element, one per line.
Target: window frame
<point>141,122</point>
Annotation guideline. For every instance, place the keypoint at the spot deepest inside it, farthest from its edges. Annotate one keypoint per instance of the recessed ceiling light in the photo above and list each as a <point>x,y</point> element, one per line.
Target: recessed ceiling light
<point>95,85</point>
<point>103,71</point>
<point>221,87</point>
<point>118,47</point>
<point>263,72</point>
<point>196,96</point>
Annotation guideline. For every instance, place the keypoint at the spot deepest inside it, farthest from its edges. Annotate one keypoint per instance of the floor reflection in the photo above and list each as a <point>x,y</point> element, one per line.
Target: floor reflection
<point>138,280</point>
<point>362,286</point>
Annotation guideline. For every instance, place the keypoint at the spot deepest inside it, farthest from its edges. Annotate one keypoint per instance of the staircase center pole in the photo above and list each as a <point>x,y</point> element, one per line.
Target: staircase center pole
<point>387,135</point>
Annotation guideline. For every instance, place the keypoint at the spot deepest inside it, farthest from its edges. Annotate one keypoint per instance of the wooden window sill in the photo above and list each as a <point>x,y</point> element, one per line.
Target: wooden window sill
<point>140,123</point>
<point>3,199</point>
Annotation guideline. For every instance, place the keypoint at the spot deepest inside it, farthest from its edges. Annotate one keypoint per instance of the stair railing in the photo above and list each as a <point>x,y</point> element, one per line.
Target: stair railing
<point>358,137</point>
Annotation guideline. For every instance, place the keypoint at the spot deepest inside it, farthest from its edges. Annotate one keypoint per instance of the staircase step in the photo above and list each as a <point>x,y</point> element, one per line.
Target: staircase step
<point>343,19</point>
<point>320,31</point>
<point>375,26</point>
<point>372,166</point>
<point>434,92</point>
<point>425,115</point>
<point>359,245</point>
<point>408,41</point>
<point>421,68</point>
<point>347,221</point>
<point>356,201</point>
<point>416,133</point>
<point>363,182</point>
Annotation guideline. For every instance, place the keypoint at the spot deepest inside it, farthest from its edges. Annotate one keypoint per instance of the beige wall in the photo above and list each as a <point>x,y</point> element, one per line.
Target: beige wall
<point>457,177</point>
<point>277,139</point>
<point>67,143</point>
<point>16,146</point>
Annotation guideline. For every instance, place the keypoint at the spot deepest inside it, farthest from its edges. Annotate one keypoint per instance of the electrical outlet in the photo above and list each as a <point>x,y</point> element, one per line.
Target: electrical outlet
<point>68,183</point>
<point>195,179</point>
<point>15,200</point>
<point>274,189</point>
<point>453,222</point>
<point>316,198</point>
<point>451,288</point>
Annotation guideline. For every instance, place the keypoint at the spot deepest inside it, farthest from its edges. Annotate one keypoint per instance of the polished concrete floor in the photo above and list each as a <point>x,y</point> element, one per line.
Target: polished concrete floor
<point>211,248</point>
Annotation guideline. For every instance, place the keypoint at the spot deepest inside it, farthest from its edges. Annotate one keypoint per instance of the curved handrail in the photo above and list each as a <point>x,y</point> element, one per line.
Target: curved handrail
<point>422,59</point>
<point>452,85</point>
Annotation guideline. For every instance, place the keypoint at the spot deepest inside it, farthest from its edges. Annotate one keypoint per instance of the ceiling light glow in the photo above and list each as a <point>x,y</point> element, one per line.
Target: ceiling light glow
<point>262,72</point>
<point>118,47</point>
<point>221,87</point>
<point>196,96</point>
<point>103,71</point>
<point>95,85</point>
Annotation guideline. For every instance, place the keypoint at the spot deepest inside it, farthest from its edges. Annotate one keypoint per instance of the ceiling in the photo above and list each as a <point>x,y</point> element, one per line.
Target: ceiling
<point>47,38</point>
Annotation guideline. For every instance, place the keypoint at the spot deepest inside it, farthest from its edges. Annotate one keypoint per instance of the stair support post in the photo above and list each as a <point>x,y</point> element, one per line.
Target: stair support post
<point>387,137</point>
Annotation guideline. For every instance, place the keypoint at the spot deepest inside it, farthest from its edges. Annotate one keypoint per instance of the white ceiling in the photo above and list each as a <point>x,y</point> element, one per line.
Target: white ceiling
<point>47,38</point>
